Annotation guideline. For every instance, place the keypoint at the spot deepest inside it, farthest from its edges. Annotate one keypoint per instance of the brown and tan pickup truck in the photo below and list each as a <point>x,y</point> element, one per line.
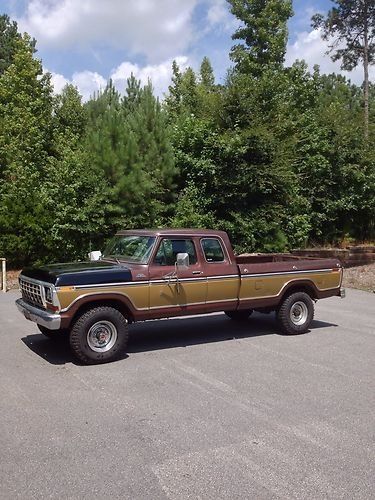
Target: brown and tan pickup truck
<point>149,274</point>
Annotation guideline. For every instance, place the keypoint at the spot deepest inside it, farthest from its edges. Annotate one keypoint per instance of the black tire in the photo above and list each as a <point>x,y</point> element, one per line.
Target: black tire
<point>295,313</point>
<point>53,334</point>
<point>99,335</point>
<point>239,315</point>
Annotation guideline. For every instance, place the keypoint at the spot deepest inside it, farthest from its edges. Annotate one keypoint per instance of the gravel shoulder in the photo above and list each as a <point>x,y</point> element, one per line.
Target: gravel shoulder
<point>361,277</point>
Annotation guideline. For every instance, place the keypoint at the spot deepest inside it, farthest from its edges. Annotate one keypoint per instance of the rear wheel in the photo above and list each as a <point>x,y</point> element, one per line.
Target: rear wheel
<point>239,315</point>
<point>100,335</point>
<point>295,313</point>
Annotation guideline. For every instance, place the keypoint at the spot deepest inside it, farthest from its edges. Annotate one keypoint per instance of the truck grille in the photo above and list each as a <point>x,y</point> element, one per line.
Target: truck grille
<point>31,292</point>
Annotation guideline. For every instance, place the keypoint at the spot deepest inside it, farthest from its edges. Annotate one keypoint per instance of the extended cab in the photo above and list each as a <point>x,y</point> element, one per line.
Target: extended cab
<point>149,274</point>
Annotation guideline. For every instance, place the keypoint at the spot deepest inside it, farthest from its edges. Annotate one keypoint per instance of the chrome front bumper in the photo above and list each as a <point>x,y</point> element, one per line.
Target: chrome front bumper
<point>43,318</point>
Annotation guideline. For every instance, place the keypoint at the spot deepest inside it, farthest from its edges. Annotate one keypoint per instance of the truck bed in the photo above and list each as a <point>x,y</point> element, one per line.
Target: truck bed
<point>257,258</point>
<point>276,262</point>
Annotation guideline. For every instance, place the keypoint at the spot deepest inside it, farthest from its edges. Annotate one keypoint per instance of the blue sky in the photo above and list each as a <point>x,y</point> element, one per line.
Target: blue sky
<point>88,41</point>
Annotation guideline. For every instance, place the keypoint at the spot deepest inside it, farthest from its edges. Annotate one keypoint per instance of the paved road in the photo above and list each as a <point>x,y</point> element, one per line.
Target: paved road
<point>200,408</point>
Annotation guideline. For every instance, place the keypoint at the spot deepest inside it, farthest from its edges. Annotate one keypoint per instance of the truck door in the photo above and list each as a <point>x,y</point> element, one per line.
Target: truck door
<point>173,294</point>
<point>223,280</point>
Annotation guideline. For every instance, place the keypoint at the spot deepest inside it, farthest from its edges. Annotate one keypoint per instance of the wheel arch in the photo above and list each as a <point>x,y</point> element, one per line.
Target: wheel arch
<point>117,301</point>
<point>306,286</point>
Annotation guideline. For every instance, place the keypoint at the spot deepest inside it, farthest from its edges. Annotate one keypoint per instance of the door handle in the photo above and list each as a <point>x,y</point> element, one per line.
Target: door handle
<point>197,272</point>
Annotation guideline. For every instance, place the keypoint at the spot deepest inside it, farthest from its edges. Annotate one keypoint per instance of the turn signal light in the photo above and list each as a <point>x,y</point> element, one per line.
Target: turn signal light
<point>52,308</point>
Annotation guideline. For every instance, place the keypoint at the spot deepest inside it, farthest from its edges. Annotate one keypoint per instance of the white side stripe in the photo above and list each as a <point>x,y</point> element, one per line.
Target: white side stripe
<point>283,273</point>
<point>167,281</point>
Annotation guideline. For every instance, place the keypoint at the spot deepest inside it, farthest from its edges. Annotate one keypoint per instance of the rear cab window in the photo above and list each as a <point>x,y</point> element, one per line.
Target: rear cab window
<point>213,250</point>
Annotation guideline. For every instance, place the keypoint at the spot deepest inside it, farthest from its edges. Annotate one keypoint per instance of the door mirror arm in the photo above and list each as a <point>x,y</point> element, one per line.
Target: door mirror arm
<point>181,264</point>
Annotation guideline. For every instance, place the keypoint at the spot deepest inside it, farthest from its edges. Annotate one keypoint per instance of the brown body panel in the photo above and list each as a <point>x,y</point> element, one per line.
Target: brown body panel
<point>207,285</point>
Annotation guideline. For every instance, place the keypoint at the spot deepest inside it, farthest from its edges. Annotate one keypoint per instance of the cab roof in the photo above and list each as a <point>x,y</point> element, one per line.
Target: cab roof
<point>172,232</point>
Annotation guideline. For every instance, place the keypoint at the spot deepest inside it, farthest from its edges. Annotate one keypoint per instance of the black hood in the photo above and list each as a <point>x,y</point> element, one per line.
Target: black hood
<point>80,273</point>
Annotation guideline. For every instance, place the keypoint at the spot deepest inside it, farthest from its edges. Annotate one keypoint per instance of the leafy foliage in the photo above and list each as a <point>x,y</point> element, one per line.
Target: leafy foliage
<point>275,156</point>
<point>8,41</point>
<point>264,33</point>
<point>129,144</point>
<point>352,23</point>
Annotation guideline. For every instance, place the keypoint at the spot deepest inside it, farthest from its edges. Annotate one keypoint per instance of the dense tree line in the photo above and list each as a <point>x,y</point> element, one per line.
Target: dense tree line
<point>277,156</point>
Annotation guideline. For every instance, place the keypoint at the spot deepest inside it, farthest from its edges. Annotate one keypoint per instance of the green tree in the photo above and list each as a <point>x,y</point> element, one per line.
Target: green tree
<point>130,143</point>
<point>8,38</point>
<point>174,97</point>
<point>264,34</point>
<point>206,74</point>
<point>150,165</point>
<point>26,104</point>
<point>77,213</point>
<point>69,113</point>
<point>73,190</point>
<point>25,139</point>
<point>183,96</point>
<point>100,103</point>
<point>189,91</point>
<point>351,22</point>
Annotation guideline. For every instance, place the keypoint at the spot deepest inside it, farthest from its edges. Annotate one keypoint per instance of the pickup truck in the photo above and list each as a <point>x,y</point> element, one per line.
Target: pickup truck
<point>150,274</point>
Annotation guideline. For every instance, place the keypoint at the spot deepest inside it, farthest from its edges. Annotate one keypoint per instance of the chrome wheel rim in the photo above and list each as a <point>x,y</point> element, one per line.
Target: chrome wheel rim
<point>102,336</point>
<point>299,313</point>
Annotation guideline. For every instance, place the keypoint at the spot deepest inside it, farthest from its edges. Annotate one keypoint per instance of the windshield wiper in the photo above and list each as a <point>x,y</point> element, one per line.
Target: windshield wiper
<point>113,257</point>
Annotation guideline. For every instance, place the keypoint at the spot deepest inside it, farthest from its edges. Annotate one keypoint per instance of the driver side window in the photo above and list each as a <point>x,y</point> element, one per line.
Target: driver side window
<point>169,248</point>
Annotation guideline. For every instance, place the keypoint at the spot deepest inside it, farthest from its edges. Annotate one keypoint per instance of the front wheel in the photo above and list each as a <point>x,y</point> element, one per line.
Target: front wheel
<point>295,313</point>
<point>100,335</point>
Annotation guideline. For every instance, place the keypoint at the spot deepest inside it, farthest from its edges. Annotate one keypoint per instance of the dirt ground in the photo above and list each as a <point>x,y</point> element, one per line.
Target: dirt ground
<point>12,279</point>
<point>361,277</point>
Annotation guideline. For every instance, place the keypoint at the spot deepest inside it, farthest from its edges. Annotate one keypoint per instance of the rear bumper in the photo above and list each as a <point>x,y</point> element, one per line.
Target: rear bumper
<point>39,316</point>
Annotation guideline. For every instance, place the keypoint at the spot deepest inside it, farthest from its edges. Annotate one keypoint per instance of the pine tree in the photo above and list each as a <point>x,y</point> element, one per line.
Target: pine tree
<point>206,73</point>
<point>351,22</point>
<point>173,99</point>
<point>130,144</point>
<point>153,162</point>
<point>97,106</point>
<point>189,91</point>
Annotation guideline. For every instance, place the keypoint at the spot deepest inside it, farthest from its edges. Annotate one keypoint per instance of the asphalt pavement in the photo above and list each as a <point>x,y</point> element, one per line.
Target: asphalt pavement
<point>200,407</point>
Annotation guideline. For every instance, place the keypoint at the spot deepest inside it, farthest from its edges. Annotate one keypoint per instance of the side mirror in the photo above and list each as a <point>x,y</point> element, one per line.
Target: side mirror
<point>95,255</point>
<point>182,261</point>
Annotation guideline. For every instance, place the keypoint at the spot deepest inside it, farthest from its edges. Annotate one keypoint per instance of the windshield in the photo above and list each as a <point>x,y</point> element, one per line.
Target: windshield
<point>130,248</point>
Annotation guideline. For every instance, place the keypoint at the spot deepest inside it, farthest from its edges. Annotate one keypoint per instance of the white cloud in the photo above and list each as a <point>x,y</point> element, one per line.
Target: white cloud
<point>89,82</point>
<point>58,81</point>
<point>219,15</point>
<point>310,47</point>
<point>159,74</point>
<point>157,29</point>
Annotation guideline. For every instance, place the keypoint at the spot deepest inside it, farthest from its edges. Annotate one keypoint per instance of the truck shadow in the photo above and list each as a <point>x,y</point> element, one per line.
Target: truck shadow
<point>162,334</point>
